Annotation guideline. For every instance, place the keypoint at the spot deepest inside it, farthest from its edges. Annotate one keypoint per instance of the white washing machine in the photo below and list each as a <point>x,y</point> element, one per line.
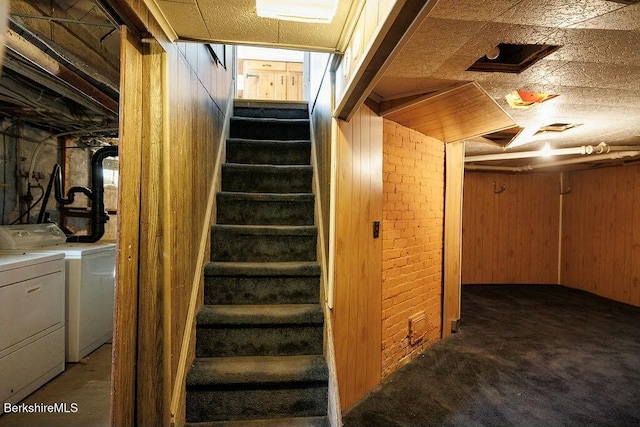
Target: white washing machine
<point>90,282</point>
<point>32,333</point>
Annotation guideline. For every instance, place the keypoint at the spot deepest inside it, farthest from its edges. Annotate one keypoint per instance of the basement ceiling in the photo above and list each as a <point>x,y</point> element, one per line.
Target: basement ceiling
<point>595,72</point>
<point>61,70</point>
<point>236,22</point>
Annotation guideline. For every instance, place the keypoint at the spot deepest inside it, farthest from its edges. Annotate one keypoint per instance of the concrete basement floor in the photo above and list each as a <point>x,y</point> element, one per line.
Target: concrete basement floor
<point>87,383</point>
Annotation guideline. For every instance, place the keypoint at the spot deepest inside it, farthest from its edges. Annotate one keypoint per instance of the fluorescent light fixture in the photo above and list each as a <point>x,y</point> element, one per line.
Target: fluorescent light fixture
<point>318,11</point>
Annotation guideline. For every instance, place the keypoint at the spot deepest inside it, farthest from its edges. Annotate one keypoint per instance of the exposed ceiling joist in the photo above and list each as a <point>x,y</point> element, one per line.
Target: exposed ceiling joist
<point>21,47</point>
<point>73,42</point>
<point>14,63</point>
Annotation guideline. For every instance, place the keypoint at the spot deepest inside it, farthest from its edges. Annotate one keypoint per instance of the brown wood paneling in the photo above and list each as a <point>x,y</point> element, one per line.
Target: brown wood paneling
<point>123,385</point>
<point>151,375</point>
<point>358,275</point>
<point>511,237</point>
<point>454,170</point>
<point>178,157</point>
<point>600,237</point>
<point>464,112</point>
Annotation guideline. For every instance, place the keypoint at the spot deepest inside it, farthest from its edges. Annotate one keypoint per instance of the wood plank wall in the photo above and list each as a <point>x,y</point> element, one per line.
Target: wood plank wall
<point>601,233</point>
<point>358,273</point>
<point>412,243</point>
<point>194,104</point>
<point>511,237</point>
<point>320,105</point>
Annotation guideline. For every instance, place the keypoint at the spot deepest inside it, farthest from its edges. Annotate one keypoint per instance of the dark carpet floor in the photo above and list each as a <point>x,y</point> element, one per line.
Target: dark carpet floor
<point>524,356</point>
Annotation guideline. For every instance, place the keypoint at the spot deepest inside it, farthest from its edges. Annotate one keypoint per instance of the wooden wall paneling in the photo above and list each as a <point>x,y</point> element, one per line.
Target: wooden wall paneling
<point>354,268</point>
<point>511,237</point>
<point>374,294</point>
<point>634,265</point>
<point>123,381</point>
<point>153,408</point>
<point>599,236</point>
<point>357,306</point>
<point>454,179</point>
<point>343,259</point>
<point>364,234</point>
<point>503,229</point>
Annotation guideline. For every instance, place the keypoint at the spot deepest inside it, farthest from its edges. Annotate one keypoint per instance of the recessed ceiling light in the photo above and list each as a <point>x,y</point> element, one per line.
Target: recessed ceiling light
<point>318,11</point>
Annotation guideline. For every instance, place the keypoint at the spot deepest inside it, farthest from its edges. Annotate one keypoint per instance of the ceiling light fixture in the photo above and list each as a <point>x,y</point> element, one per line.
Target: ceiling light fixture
<point>546,150</point>
<point>493,53</point>
<point>317,11</point>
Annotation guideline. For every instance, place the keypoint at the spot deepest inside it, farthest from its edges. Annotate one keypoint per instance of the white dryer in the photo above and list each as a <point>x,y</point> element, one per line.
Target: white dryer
<point>90,283</point>
<point>32,335</point>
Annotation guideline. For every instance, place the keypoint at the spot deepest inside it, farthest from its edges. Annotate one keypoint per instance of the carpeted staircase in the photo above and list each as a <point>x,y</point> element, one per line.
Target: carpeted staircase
<point>259,336</point>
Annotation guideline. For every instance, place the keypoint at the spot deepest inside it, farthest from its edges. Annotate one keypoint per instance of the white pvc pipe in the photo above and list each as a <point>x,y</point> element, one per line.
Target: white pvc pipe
<point>595,158</point>
<point>585,149</point>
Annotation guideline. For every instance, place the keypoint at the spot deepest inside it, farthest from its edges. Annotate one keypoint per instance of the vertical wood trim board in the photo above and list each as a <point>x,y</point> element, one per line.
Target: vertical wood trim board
<point>357,309</point>
<point>123,382</point>
<point>454,170</point>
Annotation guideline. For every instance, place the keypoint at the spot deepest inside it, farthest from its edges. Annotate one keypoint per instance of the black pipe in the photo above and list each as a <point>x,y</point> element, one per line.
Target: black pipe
<point>99,215</point>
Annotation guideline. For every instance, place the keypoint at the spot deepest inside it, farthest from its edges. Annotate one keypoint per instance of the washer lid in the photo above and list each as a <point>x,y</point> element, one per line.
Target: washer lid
<point>13,260</point>
<point>24,236</point>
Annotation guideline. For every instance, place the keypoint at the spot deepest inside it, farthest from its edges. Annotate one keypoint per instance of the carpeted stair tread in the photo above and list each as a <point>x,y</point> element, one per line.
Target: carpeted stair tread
<point>207,371</point>
<point>243,208</point>
<point>270,121</point>
<point>264,197</point>
<point>268,230</point>
<point>268,269</point>
<point>255,315</point>
<point>266,151</point>
<point>274,422</point>
<point>269,128</point>
<point>266,168</point>
<point>261,178</point>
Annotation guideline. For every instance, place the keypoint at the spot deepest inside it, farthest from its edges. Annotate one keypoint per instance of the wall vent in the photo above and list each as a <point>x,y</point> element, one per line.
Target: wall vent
<point>513,58</point>
<point>417,328</point>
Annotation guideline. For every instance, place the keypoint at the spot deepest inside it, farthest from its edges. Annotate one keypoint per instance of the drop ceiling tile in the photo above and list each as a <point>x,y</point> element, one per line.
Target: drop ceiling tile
<point>601,46</point>
<point>237,21</point>
<point>471,10</point>
<point>584,74</point>
<point>557,13</point>
<point>325,36</point>
<point>627,18</point>
<point>185,19</point>
<point>431,46</point>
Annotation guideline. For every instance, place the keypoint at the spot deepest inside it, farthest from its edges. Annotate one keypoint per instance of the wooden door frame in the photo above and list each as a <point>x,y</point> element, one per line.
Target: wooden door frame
<point>140,387</point>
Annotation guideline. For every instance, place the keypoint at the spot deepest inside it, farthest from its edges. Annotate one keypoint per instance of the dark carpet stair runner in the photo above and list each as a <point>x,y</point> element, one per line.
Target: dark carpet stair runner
<point>259,336</point>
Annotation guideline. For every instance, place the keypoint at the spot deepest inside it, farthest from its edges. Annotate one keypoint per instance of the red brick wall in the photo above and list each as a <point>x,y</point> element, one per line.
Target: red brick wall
<point>412,240</point>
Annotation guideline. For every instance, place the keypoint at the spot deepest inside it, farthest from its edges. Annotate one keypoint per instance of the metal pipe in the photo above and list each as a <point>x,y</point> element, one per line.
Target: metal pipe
<point>32,54</point>
<point>99,215</point>
<point>529,167</point>
<point>585,149</point>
